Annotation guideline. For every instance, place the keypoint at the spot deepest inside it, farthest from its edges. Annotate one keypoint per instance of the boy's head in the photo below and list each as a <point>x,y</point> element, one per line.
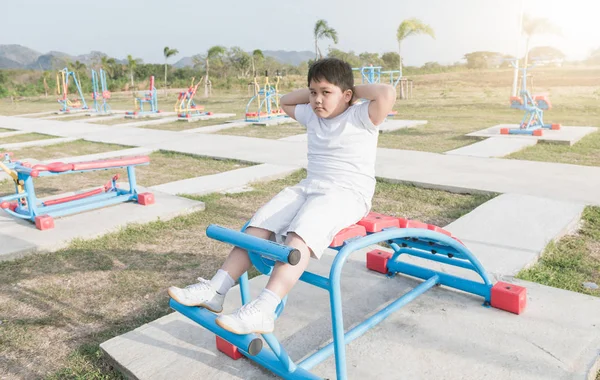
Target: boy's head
<point>331,85</point>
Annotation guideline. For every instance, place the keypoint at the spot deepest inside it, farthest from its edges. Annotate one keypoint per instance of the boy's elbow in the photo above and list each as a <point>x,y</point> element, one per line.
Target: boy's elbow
<point>390,92</point>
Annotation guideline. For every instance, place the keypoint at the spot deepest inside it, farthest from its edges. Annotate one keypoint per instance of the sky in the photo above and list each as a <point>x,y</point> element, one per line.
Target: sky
<point>144,28</point>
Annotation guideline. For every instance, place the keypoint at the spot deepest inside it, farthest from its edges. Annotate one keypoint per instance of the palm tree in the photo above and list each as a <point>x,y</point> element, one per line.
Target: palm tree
<point>132,64</point>
<point>407,28</point>
<point>212,53</point>
<point>322,30</point>
<point>168,52</point>
<point>108,65</point>
<point>78,66</point>
<point>532,26</point>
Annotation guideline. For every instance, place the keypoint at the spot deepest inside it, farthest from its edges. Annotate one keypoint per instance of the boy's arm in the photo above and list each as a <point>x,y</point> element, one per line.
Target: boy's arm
<point>289,101</point>
<point>382,97</point>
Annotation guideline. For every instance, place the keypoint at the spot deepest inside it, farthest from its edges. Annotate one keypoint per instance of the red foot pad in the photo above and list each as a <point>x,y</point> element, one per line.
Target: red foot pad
<point>407,223</point>
<point>146,199</point>
<point>504,131</point>
<point>12,206</point>
<point>228,348</point>
<point>377,260</point>
<point>537,132</point>
<point>509,297</point>
<point>44,222</point>
<point>375,222</point>
<point>347,233</point>
<point>438,229</point>
<point>555,127</point>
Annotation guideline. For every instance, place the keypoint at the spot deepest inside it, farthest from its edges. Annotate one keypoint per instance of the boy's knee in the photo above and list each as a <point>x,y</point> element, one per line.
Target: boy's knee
<point>259,232</point>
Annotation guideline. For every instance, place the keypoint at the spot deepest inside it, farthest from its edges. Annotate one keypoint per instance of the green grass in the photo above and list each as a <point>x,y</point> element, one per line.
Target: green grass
<point>83,295</point>
<point>2,130</point>
<point>25,138</point>
<point>573,260</point>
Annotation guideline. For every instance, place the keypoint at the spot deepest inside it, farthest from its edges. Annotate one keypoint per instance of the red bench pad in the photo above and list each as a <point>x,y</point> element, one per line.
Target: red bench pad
<point>59,167</point>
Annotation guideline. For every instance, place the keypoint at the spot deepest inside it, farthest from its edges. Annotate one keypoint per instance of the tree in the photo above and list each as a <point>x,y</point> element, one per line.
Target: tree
<point>532,26</point>
<point>483,59</point>
<point>132,64</point>
<point>367,59</point>
<point>212,54</point>
<point>322,30</point>
<point>257,59</point>
<point>352,59</point>
<point>108,64</point>
<point>390,60</point>
<point>407,28</point>
<point>240,60</point>
<point>168,52</point>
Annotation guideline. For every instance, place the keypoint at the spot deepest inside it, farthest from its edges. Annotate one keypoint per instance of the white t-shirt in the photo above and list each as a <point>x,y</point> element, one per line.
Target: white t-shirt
<point>342,149</point>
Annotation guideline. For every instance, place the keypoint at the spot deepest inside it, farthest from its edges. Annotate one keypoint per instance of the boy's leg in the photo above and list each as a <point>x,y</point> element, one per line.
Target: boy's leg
<point>284,275</point>
<point>211,294</point>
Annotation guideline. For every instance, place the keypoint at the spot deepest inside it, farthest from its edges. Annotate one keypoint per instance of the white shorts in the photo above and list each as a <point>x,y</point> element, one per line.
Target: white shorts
<point>314,210</point>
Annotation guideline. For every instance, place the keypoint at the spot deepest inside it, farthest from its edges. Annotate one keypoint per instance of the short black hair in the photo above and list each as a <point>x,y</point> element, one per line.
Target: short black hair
<point>334,71</point>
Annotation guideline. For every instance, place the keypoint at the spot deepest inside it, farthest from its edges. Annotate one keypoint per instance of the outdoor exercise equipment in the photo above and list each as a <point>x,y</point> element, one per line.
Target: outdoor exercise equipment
<point>534,107</point>
<point>25,205</point>
<point>185,107</point>
<point>372,74</point>
<point>63,78</point>
<point>405,237</point>
<point>149,98</point>
<point>100,97</point>
<point>264,105</point>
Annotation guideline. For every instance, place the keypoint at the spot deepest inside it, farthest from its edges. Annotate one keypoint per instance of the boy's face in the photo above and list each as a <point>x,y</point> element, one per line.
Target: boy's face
<point>327,99</point>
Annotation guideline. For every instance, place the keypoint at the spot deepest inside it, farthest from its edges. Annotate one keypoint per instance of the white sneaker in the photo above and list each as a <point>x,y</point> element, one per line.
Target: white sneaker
<point>200,294</point>
<point>248,319</point>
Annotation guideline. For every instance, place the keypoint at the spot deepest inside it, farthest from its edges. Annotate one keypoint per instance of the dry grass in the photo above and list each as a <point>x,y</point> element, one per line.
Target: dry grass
<point>164,167</point>
<point>67,149</point>
<point>74,299</point>
<point>265,132</point>
<point>24,138</point>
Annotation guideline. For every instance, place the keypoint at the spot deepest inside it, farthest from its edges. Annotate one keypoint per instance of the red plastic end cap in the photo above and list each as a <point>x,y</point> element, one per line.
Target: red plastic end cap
<point>538,132</point>
<point>209,113</point>
<point>504,131</point>
<point>347,233</point>
<point>377,260</point>
<point>146,199</point>
<point>375,222</point>
<point>5,205</point>
<point>228,348</point>
<point>509,297</point>
<point>34,173</point>
<point>409,223</point>
<point>555,127</point>
<point>44,222</point>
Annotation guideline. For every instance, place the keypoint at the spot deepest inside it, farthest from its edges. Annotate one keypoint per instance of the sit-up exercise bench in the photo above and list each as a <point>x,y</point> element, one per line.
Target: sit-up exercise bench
<point>405,237</point>
<point>25,205</point>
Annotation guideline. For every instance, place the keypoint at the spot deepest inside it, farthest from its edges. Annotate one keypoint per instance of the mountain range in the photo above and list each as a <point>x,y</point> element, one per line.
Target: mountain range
<point>21,57</point>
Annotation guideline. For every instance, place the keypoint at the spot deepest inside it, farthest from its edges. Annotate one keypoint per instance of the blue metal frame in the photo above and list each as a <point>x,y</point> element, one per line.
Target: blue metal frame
<point>270,99</point>
<point>533,119</point>
<point>372,74</point>
<point>99,82</point>
<point>150,98</point>
<point>29,207</point>
<point>65,102</point>
<point>420,243</point>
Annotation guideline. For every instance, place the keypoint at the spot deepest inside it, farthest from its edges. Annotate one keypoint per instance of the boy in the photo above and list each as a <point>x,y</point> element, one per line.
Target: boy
<point>337,192</point>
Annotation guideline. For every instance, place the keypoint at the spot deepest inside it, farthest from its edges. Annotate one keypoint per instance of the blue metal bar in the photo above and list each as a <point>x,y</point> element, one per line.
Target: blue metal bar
<point>429,256</point>
<point>266,248</point>
<point>483,290</point>
<point>280,352</point>
<point>206,319</point>
<point>132,180</point>
<point>316,280</point>
<point>368,323</point>
<point>425,246</point>
<point>86,207</point>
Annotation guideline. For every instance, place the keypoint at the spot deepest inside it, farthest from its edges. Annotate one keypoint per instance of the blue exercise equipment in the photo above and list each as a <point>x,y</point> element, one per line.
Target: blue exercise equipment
<point>264,105</point>
<point>405,237</point>
<point>532,122</point>
<point>372,74</point>
<point>24,204</point>
<point>150,98</point>
<point>63,78</point>
<point>100,97</point>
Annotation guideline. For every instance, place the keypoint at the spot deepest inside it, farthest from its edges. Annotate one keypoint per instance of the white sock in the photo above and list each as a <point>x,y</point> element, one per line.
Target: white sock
<point>268,301</point>
<point>222,281</point>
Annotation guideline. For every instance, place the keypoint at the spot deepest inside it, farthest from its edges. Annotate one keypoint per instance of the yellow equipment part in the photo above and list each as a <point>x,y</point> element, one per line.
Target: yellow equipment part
<point>13,174</point>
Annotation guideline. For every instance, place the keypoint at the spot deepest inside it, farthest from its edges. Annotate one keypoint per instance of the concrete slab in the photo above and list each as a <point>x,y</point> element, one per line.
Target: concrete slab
<point>443,334</point>
<point>37,143</point>
<point>98,118</point>
<point>150,115</point>
<point>63,116</point>
<point>207,117</point>
<point>71,112</point>
<point>494,147</point>
<point>566,135</point>
<point>153,121</point>
<point>303,137</point>
<point>511,231</point>
<point>53,127</point>
<point>391,125</point>
<point>35,114</point>
<point>227,180</point>
<point>20,237</point>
